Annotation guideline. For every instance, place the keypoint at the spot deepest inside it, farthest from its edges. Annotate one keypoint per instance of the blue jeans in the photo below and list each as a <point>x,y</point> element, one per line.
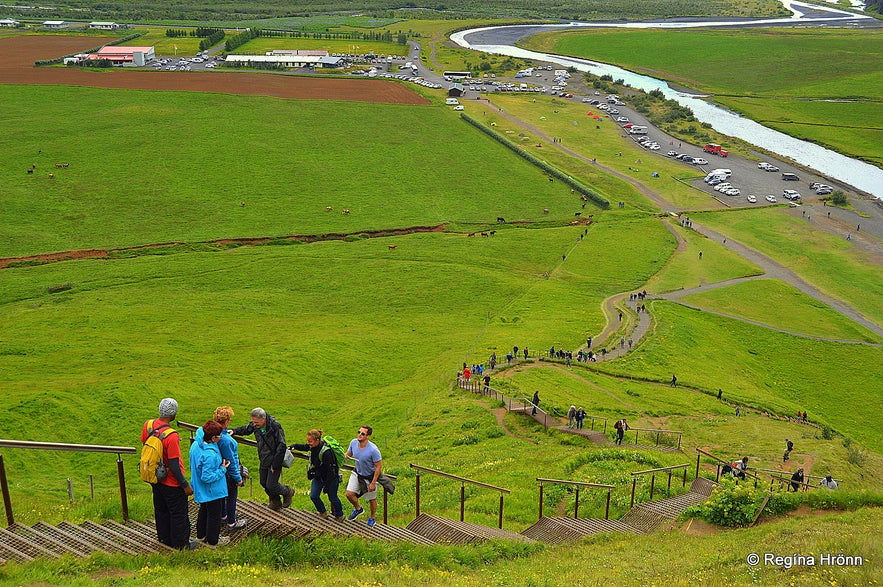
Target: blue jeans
<point>330,488</point>
<point>229,508</point>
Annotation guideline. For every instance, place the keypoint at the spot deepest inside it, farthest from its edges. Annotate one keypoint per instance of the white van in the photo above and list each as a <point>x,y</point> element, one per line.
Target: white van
<point>727,172</point>
<point>452,102</point>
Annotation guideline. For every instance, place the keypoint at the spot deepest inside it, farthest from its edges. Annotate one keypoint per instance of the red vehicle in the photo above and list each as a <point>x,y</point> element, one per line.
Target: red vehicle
<point>716,149</point>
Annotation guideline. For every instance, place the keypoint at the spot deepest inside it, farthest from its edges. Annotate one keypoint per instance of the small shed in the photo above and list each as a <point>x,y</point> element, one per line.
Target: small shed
<point>9,23</point>
<point>55,24</point>
<point>456,90</point>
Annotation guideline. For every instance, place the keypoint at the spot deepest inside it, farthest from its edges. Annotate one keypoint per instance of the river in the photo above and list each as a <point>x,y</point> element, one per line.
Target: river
<point>861,175</point>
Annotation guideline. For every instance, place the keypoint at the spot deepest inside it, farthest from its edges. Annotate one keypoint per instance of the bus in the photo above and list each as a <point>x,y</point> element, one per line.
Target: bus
<point>456,75</point>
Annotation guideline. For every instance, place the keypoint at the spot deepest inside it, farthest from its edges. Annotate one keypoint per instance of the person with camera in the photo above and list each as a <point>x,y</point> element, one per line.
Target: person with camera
<point>323,473</point>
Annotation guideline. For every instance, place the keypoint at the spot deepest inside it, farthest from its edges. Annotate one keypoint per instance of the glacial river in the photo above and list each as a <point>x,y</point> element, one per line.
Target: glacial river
<point>859,174</point>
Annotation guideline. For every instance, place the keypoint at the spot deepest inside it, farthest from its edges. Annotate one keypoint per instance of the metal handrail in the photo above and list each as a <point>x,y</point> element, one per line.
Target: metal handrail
<point>748,472</point>
<point>577,484</point>
<point>119,450</point>
<point>657,431</point>
<point>652,473</point>
<point>463,481</point>
<point>249,442</point>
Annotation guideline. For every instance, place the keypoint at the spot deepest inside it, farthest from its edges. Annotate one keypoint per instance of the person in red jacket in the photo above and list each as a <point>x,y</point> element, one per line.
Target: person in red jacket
<point>170,494</point>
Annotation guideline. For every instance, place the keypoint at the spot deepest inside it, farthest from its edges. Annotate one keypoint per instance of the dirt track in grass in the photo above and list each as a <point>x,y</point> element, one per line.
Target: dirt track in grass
<point>20,52</point>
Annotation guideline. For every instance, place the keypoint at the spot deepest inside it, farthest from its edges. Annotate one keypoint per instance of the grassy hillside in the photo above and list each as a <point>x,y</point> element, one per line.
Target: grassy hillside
<point>340,333</point>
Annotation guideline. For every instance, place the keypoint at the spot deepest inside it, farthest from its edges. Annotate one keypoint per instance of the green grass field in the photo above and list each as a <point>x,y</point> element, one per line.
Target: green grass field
<point>340,333</point>
<point>792,95</point>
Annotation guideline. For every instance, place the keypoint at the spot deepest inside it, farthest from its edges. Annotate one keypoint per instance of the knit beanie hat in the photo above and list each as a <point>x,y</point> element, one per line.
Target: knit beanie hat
<point>168,408</point>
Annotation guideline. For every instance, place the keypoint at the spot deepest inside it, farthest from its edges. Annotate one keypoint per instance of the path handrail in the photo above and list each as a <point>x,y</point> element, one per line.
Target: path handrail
<point>656,431</point>
<point>778,472</point>
<point>528,403</point>
<point>298,455</point>
<point>652,473</point>
<point>119,450</point>
<point>463,481</point>
<point>577,484</point>
<point>750,472</point>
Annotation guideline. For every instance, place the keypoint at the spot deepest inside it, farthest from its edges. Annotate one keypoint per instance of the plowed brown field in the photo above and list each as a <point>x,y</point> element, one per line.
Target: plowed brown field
<point>18,54</point>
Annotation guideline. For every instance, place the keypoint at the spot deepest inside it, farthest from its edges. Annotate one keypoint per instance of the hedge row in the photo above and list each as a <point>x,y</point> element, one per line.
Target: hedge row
<point>583,189</point>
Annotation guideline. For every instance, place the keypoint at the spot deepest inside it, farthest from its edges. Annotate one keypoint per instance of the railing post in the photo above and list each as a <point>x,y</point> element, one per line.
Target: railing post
<point>634,482</point>
<point>669,481</point>
<point>417,491</point>
<point>698,456</point>
<point>541,501</point>
<point>124,499</point>
<point>717,476</point>
<point>652,485</point>
<point>385,505</point>
<point>679,446</point>
<point>607,510</point>
<point>684,484</point>
<point>636,436</point>
<point>462,500</point>
<point>657,438</point>
<point>500,521</point>
<point>7,502</point>
<point>576,505</point>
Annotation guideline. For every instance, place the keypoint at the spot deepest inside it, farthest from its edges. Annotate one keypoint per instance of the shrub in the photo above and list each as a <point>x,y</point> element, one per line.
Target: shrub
<point>732,504</point>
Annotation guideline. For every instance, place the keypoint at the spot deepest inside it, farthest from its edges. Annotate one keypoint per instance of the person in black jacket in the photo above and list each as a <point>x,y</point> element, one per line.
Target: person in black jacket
<point>323,473</point>
<point>271,451</point>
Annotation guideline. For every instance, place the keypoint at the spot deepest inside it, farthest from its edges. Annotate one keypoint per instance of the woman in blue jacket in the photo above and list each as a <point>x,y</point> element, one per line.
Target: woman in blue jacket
<point>209,480</point>
<point>230,450</point>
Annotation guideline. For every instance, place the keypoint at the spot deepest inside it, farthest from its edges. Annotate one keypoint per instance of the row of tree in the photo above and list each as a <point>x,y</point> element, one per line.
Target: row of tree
<point>212,39</point>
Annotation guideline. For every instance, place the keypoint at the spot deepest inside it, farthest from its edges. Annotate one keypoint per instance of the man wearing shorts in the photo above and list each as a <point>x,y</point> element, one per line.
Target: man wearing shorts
<point>363,481</point>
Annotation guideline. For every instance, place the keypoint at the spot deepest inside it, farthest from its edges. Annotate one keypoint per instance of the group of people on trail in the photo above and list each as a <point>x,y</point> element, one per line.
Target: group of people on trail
<point>575,417</point>
<point>738,469</point>
<point>216,473</point>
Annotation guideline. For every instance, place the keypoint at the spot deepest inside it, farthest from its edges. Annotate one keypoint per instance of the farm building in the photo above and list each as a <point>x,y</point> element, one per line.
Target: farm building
<point>105,26</point>
<point>290,58</point>
<point>55,24</point>
<point>123,55</point>
<point>9,23</point>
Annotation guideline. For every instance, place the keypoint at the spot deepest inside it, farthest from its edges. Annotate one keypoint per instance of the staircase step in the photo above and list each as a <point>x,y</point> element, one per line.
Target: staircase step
<point>558,530</point>
<point>124,542</point>
<point>56,546</point>
<point>146,539</point>
<point>437,529</point>
<point>24,546</point>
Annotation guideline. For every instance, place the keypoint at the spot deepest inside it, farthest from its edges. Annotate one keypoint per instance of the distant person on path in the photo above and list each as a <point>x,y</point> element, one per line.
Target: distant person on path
<point>536,402</point>
<point>270,438</point>
<point>740,468</point>
<point>621,426</point>
<point>828,482</point>
<point>169,494</point>
<point>589,342</point>
<point>323,473</point>
<point>720,392</point>
<point>525,352</point>
<point>208,471</point>
<point>487,383</point>
<point>369,465</point>
<point>797,479</point>
<point>580,416</point>
<point>738,412</point>
<point>571,416</point>
<point>789,446</point>
<point>467,373</point>
<point>230,450</point>
<point>674,381</point>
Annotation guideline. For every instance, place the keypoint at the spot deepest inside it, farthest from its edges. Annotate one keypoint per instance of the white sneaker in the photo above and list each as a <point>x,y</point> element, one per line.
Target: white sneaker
<point>240,523</point>
<point>222,541</point>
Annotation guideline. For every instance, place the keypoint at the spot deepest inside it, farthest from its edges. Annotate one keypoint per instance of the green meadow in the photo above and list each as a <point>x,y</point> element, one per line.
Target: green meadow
<point>805,96</point>
<point>348,331</point>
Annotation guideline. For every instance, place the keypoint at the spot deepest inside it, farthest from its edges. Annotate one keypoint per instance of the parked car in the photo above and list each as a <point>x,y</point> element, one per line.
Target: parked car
<point>699,161</point>
<point>790,177</point>
<point>790,195</point>
<point>771,199</point>
<point>752,199</point>
<point>671,154</point>
<point>824,190</point>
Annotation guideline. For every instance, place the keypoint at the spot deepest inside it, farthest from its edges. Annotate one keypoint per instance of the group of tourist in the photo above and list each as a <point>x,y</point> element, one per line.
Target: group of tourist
<point>216,474</point>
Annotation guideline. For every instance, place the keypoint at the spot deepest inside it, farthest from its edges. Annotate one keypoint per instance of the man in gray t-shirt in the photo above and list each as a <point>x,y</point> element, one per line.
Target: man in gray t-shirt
<point>363,481</point>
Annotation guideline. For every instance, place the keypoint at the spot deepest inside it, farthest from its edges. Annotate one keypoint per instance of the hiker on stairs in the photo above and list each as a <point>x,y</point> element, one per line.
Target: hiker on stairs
<point>271,452</point>
<point>323,473</point>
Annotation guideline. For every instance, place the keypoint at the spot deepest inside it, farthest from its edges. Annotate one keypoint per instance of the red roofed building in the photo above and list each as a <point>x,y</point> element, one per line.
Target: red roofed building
<point>122,55</point>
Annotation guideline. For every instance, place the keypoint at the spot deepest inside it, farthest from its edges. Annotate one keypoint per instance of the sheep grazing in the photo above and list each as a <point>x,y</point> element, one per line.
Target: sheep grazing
<point>391,247</point>
<point>328,208</point>
<point>242,204</point>
<point>346,211</point>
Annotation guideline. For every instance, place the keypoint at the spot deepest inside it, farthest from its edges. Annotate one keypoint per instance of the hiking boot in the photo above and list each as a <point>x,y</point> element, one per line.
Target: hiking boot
<point>323,514</point>
<point>286,498</point>
<point>222,541</point>
<point>338,518</point>
<point>372,522</point>
<point>275,504</point>
<point>356,514</point>
<point>194,544</point>
<point>237,525</point>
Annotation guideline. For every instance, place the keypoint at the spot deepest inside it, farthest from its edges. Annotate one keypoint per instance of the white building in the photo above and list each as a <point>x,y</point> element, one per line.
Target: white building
<point>55,24</point>
<point>122,55</point>
<point>9,23</point>
<point>105,26</point>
